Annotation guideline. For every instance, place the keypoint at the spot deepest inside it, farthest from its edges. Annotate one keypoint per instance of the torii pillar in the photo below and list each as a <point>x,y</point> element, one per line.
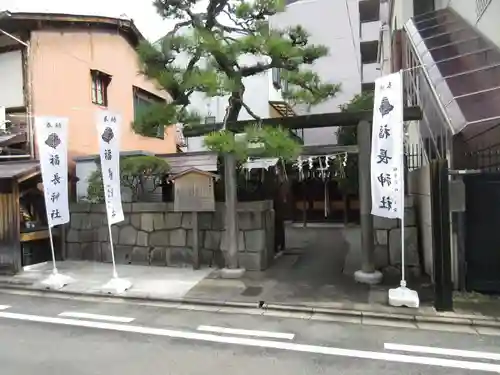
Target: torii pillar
<point>367,274</point>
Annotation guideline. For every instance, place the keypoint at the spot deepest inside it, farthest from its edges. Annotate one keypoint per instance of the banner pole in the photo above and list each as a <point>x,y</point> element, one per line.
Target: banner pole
<point>51,238</point>
<point>112,248</point>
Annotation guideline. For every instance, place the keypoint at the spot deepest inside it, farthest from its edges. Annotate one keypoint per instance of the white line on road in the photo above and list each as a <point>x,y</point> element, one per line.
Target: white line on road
<point>442,351</point>
<point>3,307</point>
<point>109,318</point>
<point>247,332</point>
<point>259,343</point>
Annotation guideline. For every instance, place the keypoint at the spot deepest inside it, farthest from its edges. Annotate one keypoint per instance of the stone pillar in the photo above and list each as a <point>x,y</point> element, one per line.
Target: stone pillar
<point>368,274</point>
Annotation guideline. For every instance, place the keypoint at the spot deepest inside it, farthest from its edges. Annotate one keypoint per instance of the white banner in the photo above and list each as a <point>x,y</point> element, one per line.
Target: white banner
<point>108,129</point>
<point>387,173</point>
<point>52,141</point>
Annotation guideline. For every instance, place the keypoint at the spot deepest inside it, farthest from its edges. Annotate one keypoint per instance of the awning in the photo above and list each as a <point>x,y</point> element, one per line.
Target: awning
<point>19,170</point>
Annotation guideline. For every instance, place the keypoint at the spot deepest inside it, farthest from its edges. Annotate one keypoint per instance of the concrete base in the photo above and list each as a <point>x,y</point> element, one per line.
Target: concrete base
<point>370,278</point>
<point>56,281</point>
<point>232,273</point>
<point>403,296</point>
<point>116,286</point>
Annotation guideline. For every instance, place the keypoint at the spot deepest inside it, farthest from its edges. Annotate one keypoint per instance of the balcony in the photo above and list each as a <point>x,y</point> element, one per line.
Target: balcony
<point>370,72</point>
<point>369,31</point>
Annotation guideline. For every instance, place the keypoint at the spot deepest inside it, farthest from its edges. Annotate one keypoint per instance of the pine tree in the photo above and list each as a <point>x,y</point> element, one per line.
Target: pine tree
<point>210,42</point>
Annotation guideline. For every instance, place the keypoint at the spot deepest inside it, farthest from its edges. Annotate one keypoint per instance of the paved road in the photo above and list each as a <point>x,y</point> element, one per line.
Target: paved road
<point>46,336</point>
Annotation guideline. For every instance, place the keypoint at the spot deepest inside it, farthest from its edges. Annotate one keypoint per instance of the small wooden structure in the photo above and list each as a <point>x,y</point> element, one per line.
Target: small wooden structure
<point>194,192</point>
<point>17,179</point>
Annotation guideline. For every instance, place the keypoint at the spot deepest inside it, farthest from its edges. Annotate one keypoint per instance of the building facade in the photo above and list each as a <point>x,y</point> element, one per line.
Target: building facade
<point>71,66</point>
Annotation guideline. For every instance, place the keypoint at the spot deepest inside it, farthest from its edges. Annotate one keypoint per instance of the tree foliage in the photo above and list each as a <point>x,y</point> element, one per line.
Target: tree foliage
<point>204,53</point>
<point>135,173</point>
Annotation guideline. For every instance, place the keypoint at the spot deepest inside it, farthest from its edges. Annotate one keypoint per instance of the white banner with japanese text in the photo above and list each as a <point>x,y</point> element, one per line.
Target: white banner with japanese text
<point>387,171</point>
<point>52,141</point>
<point>108,129</point>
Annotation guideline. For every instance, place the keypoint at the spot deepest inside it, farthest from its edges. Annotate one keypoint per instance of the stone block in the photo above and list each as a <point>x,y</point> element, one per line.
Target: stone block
<point>411,246</point>
<point>157,256</point>
<point>123,254</point>
<point>135,220</point>
<point>91,251</point>
<point>103,234</point>
<point>95,220</point>
<point>80,207</point>
<point>80,221</point>
<point>159,221</point>
<point>250,220</point>
<point>73,251</point>
<point>160,238</point>
<point>141,207</point>
<point>128,236</point>
<point>140,255</point>
<point>255,240</point>
<point>384,223</point>
<point>189,239</point>
<point>142,238</point>
<point>381,237</point>
<point>212,240</point>
<point>186,222</point>
<point>224,241</point>
<point>173,220</point>
<point>218,219</point>
<point>87,235</point>
<point>205,220</point>
<point>147,222</point>
<point>115,231</point>
<point>178,237</point>
<point>73,235</point>
<point>179,257</point>
<point>105,253</point>
<point>410,216</point>
<point>125,222</point>
<point>99,208</point>
<point>252,261</point>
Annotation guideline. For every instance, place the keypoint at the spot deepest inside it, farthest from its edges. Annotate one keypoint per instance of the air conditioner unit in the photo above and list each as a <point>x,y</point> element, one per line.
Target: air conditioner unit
<point>3,120</point>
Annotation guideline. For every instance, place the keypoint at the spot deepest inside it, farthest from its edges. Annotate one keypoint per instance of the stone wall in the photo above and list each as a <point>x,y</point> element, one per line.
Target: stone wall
<point>388,239</point>
<point>153,234</point>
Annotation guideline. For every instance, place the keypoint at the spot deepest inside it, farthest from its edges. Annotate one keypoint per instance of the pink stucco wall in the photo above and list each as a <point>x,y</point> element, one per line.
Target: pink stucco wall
<point>61,64</point>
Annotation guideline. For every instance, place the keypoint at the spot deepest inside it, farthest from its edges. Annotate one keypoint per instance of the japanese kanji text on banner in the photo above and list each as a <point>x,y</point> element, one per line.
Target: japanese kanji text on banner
<point>108,129</point>
<point>52,140</point>
<point>387,148</point>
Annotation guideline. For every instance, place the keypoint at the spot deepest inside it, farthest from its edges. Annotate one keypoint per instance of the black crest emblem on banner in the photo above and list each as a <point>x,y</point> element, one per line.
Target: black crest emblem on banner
<point>385,107</point>
<point>107,135</point>
<point>53,140</point>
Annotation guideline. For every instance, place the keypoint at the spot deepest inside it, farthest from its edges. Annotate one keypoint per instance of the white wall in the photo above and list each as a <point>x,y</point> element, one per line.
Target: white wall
<point>11,79</point>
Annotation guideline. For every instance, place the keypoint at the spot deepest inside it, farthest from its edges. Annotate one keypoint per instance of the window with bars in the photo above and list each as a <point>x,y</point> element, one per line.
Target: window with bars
<point>99,87</point>
<point>142,101</point>
<point>210,120</point>
<point>276,78</point>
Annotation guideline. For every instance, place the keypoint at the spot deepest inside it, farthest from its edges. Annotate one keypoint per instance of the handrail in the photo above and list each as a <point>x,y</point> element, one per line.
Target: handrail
<point>428,78</point>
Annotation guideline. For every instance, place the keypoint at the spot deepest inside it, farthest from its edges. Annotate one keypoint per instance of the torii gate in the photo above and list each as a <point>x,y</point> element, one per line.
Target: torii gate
<point>363,120</point>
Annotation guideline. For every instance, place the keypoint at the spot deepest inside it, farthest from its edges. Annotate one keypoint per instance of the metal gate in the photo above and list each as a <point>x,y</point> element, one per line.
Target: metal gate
<point>482,232</point>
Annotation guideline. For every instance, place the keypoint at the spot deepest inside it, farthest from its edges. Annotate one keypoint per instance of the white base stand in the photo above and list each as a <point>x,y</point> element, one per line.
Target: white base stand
<point>116,286</point>
<point>403,296</point>
<point>370,278</point>
<point>56,281</point>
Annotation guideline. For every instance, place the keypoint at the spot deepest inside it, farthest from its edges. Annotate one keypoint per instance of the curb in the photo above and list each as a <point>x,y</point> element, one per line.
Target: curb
<point>449,318</point>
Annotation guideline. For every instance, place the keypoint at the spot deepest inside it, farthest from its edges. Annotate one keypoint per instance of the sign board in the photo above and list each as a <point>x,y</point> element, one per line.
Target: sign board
<point>194,191</point>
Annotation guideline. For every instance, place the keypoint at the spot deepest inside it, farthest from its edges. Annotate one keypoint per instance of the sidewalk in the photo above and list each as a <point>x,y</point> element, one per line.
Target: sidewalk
<point>184,286</point>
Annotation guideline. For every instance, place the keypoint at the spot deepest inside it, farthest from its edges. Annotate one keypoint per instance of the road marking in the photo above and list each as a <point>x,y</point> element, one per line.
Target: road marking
<point>247,332</point>
<point>109,318</point>
<point>3,307</point>
<point>430,361</point>
<point>443,351</point>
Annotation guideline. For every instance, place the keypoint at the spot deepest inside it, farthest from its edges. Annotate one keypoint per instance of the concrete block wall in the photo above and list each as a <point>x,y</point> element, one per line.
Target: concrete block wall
<point>388,238</point>
<point>153,234</point>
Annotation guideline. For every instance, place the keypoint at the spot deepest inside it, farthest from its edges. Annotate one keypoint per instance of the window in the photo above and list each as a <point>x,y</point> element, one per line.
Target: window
<point>276,78</point>
<point>210,120</point>
<point>99,87</point>
<point>142,101</point>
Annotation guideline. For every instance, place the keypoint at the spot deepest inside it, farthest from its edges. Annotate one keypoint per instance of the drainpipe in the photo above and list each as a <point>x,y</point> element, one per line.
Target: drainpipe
<point>29,105</point>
